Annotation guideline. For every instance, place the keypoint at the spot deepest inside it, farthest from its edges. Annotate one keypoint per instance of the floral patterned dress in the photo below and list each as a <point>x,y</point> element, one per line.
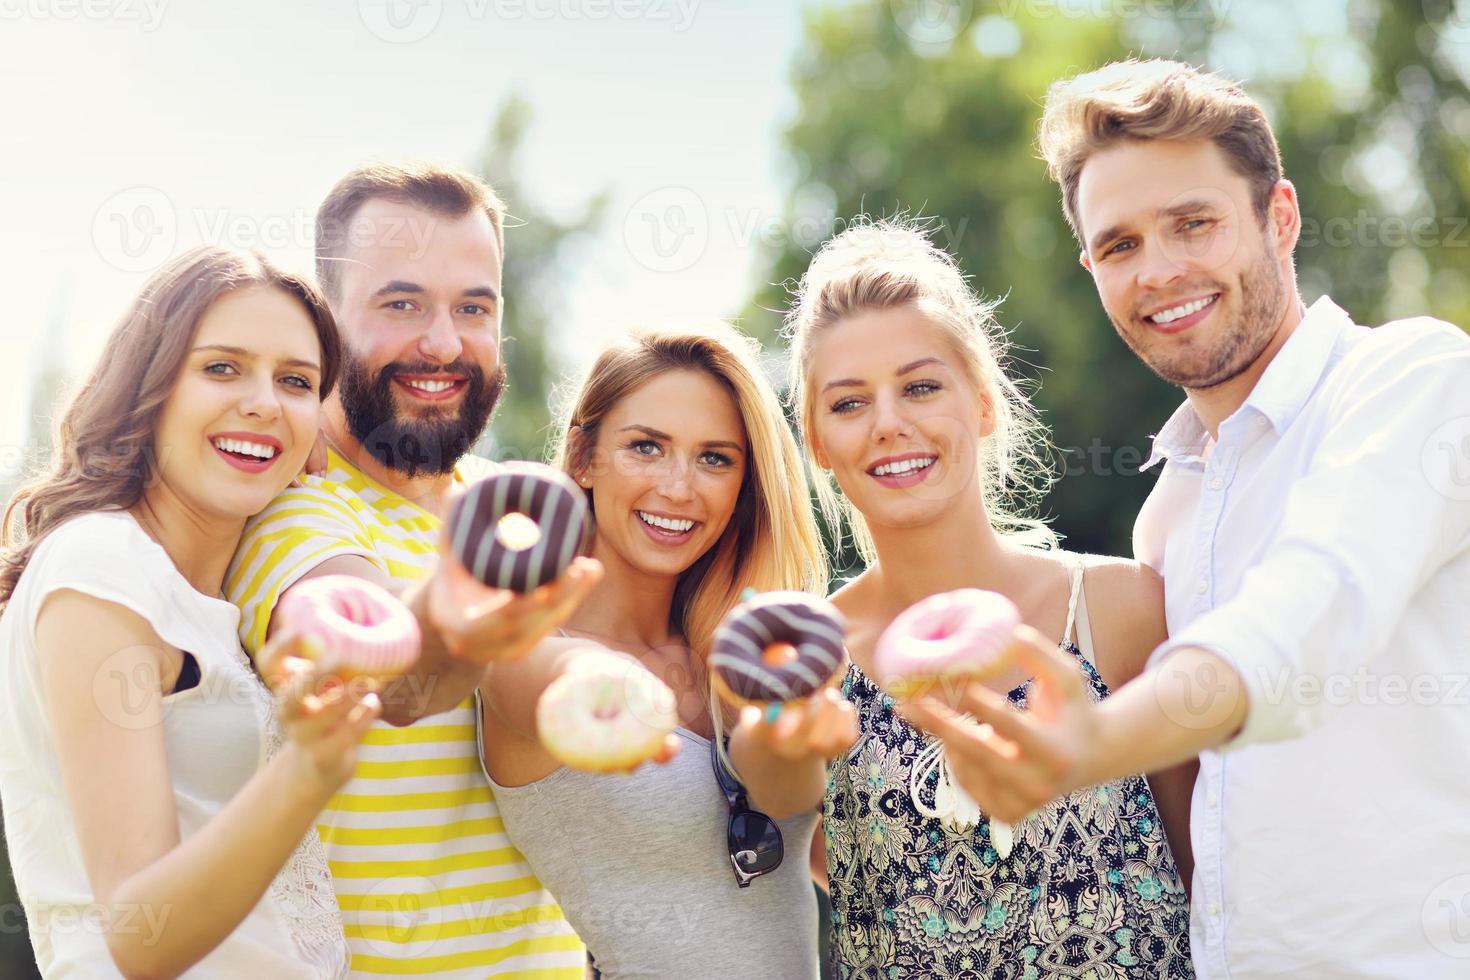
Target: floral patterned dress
<point>1089,888</point>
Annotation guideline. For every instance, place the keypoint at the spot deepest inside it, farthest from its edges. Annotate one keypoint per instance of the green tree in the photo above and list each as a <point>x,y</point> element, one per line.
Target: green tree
<point>539,249</point>
<point>932,108</point>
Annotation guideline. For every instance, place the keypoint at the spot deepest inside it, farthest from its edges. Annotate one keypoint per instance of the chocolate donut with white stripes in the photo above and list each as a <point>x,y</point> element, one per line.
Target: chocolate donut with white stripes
<point>520,528</point>
<point>777,647</point>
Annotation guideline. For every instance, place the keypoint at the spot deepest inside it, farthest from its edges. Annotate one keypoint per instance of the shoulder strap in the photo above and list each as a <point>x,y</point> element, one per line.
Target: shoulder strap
<point>1075,571</point>
<point>1077,614</point>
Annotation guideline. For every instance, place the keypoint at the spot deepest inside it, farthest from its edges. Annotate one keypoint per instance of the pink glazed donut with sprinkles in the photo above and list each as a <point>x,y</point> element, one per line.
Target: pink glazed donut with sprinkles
<point>964,634</point>
<point>364,631</point>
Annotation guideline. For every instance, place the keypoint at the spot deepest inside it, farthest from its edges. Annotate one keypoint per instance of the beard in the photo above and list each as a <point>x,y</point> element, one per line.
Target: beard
<point>1238,343</point>
<point>403,442</point>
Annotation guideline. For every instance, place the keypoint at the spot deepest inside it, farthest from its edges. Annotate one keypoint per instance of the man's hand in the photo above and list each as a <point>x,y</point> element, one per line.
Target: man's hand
<point>1013,762</point>
<point>316,460</point>
<point>467,626</point>
<point>483,625</point>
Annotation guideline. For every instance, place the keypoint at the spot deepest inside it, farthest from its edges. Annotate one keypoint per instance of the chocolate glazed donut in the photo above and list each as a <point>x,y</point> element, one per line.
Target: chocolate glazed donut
<point>777,647</point>
<point>544,495</point>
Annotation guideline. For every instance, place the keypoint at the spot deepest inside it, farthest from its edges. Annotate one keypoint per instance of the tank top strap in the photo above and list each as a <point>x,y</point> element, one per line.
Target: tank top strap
<point>1075,573</point>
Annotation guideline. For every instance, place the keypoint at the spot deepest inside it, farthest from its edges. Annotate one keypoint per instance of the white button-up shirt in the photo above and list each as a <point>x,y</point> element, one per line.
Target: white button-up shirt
<point>1322,546</point>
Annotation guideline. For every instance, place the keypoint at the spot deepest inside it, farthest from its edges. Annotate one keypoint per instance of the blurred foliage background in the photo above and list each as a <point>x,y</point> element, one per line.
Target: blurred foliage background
<point>931,106</point>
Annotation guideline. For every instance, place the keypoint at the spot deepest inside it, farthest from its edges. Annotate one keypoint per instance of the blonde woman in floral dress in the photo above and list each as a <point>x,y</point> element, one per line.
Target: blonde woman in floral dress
<point>900,396</point>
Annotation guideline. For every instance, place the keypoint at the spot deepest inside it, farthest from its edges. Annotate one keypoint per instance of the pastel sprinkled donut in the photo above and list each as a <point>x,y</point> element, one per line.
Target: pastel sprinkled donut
<point>777,647</point>
<point>961,634</point>
<point>520,528</point>
<point>363,629</point>
<point>605,714</point>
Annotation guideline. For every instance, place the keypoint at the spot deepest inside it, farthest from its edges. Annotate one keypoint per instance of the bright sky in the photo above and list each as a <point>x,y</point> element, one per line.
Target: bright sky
<point>132,129</point>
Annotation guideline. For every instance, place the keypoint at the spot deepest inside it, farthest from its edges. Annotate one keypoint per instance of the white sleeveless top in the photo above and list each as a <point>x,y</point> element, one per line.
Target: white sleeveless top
<point>217,734</point>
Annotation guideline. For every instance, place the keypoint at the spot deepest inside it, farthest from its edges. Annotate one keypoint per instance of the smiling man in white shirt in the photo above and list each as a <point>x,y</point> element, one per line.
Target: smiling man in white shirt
<point>1312,522</point>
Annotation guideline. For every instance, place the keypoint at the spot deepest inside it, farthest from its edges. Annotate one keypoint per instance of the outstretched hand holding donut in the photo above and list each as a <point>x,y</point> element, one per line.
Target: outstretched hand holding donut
<point>778,655</point>
<point>822,726</point>
<point>1013,762</point>
<point>323,716</point>
<point>512,568</point>
<point>607,713</point>
<point>485,625</point>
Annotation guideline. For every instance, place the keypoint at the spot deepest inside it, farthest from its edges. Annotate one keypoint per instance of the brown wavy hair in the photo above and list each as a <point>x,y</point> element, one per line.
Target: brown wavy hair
<point>1154,100</point>
<point>103,454</point>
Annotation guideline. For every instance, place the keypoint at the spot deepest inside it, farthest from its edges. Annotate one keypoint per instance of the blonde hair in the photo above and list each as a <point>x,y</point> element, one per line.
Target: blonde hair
<point>889,264</point>
<point>1154,100</point>
<point>772,541</point>
<point>104,454</point>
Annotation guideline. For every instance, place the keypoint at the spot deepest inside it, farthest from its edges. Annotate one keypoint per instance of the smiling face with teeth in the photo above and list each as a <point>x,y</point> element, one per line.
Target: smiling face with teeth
<point>420,311</point>
<point>665,474</point>
<point>895,418</point>
<point>243,413</point>
<point>1194,280</point>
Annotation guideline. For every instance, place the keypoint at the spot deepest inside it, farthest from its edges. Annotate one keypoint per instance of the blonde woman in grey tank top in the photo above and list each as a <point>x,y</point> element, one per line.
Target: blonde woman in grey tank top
<point>697,493</point>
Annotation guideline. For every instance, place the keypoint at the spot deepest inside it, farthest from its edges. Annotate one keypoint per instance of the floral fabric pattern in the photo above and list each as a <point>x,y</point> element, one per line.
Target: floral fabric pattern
<point>1089,889</point>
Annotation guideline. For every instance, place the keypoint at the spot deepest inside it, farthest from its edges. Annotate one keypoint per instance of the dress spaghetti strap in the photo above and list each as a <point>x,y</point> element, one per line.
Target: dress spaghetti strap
<point>1077,613</point>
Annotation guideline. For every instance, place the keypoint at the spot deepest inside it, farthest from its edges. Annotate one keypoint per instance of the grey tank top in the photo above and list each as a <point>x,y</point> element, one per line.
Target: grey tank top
<point>641,869</point>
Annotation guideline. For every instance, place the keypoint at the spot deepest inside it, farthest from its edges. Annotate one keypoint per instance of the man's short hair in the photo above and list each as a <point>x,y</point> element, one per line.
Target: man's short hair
<point>451,193</point>
<point>1154,100</point>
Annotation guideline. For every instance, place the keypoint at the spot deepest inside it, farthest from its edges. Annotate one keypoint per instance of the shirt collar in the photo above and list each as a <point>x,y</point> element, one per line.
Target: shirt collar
<point>1278,396</point>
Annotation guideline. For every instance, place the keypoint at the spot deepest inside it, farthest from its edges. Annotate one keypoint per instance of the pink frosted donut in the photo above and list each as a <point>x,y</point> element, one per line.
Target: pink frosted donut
<point>965,633</point>
<point>365,630</point>
<point>605,714</point>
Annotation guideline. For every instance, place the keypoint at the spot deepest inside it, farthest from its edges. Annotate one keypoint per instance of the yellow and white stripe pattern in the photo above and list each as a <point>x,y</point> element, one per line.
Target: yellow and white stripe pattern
<point>428,883</point>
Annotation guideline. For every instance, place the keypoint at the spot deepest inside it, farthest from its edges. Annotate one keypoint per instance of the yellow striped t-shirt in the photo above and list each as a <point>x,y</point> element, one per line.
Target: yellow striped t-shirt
<point>428,883</point>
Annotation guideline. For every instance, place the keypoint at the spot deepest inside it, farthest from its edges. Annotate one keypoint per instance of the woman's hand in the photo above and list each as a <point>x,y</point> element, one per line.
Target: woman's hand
<point>820,727</point>
<point>784,763</point>
<point>323,716</point>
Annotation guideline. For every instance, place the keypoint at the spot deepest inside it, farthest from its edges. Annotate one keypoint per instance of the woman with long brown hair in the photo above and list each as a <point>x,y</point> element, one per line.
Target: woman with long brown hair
<point>697,494</point>
<point>156,820</point>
